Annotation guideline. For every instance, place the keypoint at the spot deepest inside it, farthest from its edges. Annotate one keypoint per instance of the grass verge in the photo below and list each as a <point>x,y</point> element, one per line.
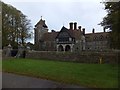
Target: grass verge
<point>87,75</point>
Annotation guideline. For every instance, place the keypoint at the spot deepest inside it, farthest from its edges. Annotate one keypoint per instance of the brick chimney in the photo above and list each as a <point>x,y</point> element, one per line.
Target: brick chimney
<point>93,31</point>
<point>79,27</point>
<point>75,25</point>
<point>104,29</point>
<point>83,31</point>
<point>71,25</point>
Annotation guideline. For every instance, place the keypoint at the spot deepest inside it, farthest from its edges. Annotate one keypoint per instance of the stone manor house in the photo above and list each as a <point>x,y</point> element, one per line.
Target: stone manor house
<point>69,39</point>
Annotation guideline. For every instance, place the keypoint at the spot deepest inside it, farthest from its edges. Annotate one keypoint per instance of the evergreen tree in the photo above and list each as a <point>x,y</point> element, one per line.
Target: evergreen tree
<point>112,22</point>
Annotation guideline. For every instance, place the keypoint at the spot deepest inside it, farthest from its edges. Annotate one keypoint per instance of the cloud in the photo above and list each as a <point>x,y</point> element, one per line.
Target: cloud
<point>60,13</point>
<point>54,0</point>
<point>85,13</point>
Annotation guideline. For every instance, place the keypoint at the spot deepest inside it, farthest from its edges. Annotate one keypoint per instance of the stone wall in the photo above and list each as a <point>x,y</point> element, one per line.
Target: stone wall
<point>0,54</point>
<point>82,57</point>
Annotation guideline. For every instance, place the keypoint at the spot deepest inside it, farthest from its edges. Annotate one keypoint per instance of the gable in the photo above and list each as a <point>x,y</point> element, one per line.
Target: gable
<point>64,33</point>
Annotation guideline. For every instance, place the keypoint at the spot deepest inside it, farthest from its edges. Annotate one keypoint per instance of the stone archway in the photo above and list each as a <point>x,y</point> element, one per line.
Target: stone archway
<point>67,48</point>
<point>60,48</point>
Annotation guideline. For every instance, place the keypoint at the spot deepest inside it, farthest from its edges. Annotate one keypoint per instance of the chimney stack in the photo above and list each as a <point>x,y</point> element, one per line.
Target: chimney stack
<point>83,31</point>
<point>75,25</point>
<point>71,25</point>
<point>93,31</point>
<point>104,29</point>
<point>79,27</point>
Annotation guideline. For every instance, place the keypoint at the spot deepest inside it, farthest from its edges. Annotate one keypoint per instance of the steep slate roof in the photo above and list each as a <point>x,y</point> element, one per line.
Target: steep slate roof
<point>51,36</point>
<point>41,22</point>
<point>73,33</point>
<point>76,34</point>
<point>64,29</point>
<point>96,36</point>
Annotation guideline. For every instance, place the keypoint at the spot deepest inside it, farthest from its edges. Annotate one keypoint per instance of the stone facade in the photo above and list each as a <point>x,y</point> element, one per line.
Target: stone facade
<point>72,39</point>
<point>40,29</point>
<point>97,41</point>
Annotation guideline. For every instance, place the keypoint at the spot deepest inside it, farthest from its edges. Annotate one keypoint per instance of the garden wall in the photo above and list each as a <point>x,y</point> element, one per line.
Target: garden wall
<point>83,57</point>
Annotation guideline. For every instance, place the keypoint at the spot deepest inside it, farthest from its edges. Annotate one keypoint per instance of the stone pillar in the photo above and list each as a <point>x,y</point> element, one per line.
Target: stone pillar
<point>20,51</point>
<point>57,47</point>
<point>8,50</point>
<point>83,45</point>
<point>71,47</point>
<point>82,42</point>
<point>64,47</point>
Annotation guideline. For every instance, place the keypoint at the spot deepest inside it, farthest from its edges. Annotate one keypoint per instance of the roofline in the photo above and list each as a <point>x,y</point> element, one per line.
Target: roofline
<point>97,33</point>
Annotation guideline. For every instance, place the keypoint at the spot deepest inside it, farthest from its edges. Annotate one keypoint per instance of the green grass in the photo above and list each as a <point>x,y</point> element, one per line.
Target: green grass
<point>86,75</point>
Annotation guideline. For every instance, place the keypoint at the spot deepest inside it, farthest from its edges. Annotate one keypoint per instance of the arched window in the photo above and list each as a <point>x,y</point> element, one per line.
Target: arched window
<point>67,48</point>
<point>60,48</point>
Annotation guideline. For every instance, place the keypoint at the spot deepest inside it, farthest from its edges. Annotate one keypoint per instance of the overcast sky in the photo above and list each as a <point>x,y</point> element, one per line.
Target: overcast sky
<point>56,13</point>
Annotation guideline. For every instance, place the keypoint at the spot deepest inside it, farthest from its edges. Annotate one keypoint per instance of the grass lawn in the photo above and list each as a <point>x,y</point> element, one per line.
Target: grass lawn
<point>87,75</point>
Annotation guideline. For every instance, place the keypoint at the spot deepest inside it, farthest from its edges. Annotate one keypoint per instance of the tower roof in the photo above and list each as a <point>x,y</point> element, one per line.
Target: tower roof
<point>41,22</point>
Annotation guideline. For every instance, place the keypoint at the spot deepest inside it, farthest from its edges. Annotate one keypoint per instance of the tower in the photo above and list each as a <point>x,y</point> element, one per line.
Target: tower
<point>40,29</point>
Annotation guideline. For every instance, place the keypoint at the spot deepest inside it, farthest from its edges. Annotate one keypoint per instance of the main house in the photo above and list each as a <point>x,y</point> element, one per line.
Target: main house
<point>69,39</point>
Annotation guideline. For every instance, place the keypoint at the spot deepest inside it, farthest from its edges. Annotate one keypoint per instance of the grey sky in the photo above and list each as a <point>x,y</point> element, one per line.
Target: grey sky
<point>87,13</point>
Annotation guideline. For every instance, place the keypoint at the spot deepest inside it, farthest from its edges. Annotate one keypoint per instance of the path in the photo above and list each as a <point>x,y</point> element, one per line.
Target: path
<point>18,81</point>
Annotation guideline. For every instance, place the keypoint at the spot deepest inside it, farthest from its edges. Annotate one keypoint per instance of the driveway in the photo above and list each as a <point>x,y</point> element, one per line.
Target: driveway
<point>18,81</point>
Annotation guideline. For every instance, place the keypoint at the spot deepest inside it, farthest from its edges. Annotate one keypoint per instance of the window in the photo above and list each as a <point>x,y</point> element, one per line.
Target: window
<point>63,34</point>
<point>70,39</point>
<point>95,38</point>
<point>101,37</point>
<point>64,39</point>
